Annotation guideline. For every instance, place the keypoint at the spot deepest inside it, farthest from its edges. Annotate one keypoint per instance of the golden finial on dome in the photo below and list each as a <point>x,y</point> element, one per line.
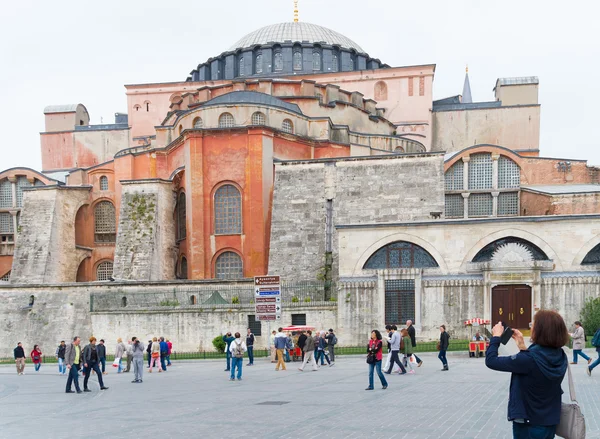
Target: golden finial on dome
<point>467,69</point>
<point>295,11</point>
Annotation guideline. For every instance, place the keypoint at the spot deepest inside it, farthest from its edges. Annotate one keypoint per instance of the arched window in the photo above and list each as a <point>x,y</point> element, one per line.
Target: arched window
<point>181,230</point>
<point>401,254</point>
<point>509,174</point>
<point>183,268</point>
<point>226,120</point>
<point>486,253</point>
<point>454,177</point>
<point>193,300</point>
<point>123,301</point>
<point>180,129</point>
<point>6,197</point>
<point>242,72</point>
<point>278,61</point>
<point>198,123</point>
<point>259,66</point>
<point>229,266</point>
<point>104,270</point>
<point>136,107</point>
<point>480,171</point>
<point>5,278</point>
<point>228,210</point>
<point>592,258</point>
<point>104,183</point>
<point>316,59</point>
<point>381,92</point>
<point>287,126</point>
<point>22,182</point>
<point>105,225</point>
<point>147,104</point>
<point>334,63</point>
<point>297,60</point>
<point>258,118</point>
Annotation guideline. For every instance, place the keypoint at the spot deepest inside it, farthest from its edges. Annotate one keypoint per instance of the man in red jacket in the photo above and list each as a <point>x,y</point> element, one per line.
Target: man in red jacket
<point>170,346</point>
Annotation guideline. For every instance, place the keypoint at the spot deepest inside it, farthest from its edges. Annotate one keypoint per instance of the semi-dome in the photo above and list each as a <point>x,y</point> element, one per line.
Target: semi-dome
<point>296,32</point>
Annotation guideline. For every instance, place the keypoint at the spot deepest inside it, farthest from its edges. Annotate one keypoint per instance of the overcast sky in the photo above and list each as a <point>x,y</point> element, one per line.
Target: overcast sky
<point>61,52</point>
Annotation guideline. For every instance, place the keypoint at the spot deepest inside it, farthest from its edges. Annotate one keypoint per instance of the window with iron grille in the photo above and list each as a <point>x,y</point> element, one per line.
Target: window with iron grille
<point>259,67</point>
<point>399,301</point>
<point>316,61</point>
<point>298,319</point>
<point>105,225</point>
<point>254,325</point>
<point>104,270</point>
<point>181,226</point>
<point>226,120</point>
<point>508,203</point>
<point>480,171</point>
<point>103,183</point>
<point>401,254</point>
<point>287,126</point>
<point>454,177</point>
<point>258,118</point>
<point>6,223</point>
<point>229,266</point>
<point>242,72</point>
<point>198,123</point>
<point>228,210</point>
<point>5,278</point>
<point>509,173</point>
<point>455,206</point>
<point>297,60</point>
<point>334,63</point>
<point>6,198</point>
<point>480,205</point>
<point>592,257</point>
<point>278,61</point>
<point>22,182</point>
<point>183,268</point>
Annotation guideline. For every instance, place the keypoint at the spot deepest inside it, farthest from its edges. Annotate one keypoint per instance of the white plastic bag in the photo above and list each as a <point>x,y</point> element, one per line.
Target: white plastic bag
<point>412,359</point>
<point>116,362</point>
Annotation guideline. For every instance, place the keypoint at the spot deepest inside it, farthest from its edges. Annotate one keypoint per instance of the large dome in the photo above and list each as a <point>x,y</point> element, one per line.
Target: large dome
<point>296,31</point>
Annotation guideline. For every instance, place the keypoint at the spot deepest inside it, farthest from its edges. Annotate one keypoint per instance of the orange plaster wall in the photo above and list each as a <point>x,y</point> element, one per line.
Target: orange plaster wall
<point>58,151</point>
<point>285,149</point>
<point>5,264</point>
<point>331,152</point>
<point>544,171</point>
<point>572,204</point>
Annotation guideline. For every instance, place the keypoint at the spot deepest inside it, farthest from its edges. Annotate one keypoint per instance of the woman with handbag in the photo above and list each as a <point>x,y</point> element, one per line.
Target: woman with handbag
<point>534,403</point>
<point>407,350</point>
<point>36,357</point>
<point>374,356</point>
<point>155,355</point>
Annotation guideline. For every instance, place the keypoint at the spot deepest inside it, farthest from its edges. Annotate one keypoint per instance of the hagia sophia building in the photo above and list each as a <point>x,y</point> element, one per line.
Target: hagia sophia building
<point>295,152</point>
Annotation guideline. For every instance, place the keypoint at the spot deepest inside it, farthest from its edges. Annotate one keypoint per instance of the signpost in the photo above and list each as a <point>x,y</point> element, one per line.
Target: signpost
<point>267,301</point>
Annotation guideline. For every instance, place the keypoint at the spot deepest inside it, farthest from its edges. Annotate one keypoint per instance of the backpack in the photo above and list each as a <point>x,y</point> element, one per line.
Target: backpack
<point>596,339</point>
<point>334,341</point>
<point>238,352</point>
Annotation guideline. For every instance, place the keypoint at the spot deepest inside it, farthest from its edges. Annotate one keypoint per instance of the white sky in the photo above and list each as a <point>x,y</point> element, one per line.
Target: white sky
<point>63,51</point>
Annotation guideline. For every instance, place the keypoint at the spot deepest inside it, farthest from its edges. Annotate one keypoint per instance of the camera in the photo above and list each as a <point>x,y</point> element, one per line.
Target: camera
<point>507,334</point>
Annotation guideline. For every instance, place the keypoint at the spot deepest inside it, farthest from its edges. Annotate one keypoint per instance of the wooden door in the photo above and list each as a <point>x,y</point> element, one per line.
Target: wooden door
<point>500,304</point>
<point>522,306</point>
<point>511,304</point>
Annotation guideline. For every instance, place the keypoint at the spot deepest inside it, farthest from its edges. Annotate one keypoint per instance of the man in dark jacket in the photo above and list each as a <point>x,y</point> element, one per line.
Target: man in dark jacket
<point>101,349</point>
<point>331,342</point>
<point>309,349</point>
<point>73,357</point>
<point>60,357</point>
<point>413,339</point>
<point>164,351</point>
<point>149,351</point>
<point>228,338</point>
<point>302,342</point>
<point>250,346</point>
<point>90,362</point>
<point>20,358</point>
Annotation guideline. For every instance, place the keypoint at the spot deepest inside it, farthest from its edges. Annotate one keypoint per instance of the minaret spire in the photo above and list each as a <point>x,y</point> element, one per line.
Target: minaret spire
<point>295,11</point>
<point>466,94</point>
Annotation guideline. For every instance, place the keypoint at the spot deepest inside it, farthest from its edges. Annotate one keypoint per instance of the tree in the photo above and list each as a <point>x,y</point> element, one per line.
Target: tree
<point>219,344</point>
<point>590,315</point>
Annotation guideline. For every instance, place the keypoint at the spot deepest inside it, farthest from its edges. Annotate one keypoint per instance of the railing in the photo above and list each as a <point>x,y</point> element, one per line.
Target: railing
<point>210,297</point>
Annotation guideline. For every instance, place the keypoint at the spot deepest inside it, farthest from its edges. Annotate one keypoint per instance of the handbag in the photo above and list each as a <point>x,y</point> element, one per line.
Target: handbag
<point>371,359</point>
<point>438,346</point>
<point>572,422</point>
<point>155,354</point>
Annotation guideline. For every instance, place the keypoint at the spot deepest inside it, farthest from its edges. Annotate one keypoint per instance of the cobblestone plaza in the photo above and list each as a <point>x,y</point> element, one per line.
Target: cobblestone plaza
<point>196,399</point>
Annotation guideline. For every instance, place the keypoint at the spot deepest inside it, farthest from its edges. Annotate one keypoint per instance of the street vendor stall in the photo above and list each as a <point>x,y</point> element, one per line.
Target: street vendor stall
<point>296,352</point>
<point>477,348</point>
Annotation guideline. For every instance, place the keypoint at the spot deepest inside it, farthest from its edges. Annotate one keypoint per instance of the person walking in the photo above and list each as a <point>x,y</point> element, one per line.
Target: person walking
<point>60,357</point>
<point>19,354</point>
<point>101,350</point>
<point>331,342</point>
<point>36,357</point>
<point>302,342</point>
<point>388,331</point>
<point>137,354</point>
<point>374,357</point>
<point>578,337</point>
<point>395,346</point>
<point>228,338</point>
<point>91,362</point>
<point>596,344</point>
<point>413,339</point>
<point>443,346</point>
<point>272,347</point>
<point>155,355</point>
<point>149,351</point>
<point>73,363</point>
<point>407,350</point>
<point>170,349</point>
<point>289,345</point>
<point>128,351</point>
<point>164,351</point>
<point>250,347</point>
<point>308,350</point>
<point>321,352</point>
<point>237,348</point>
<point>317,339</point>
<point>280,344</point>
<point>537,372</point>
<point>119,352</point>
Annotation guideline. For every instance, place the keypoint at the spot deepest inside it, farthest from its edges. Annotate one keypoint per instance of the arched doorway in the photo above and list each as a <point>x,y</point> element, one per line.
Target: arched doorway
<point>511,304</point>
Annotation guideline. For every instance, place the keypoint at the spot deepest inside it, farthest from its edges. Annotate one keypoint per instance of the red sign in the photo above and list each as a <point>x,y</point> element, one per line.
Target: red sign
<point>265,317</point>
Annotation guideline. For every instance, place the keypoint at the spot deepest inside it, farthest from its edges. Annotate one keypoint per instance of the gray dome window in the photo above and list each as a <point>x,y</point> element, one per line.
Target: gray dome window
<point>297,60</point>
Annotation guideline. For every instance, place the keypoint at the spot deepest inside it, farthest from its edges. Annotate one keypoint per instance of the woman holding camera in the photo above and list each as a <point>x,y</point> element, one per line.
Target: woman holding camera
<point>374,356</point>
<point>534,402</point>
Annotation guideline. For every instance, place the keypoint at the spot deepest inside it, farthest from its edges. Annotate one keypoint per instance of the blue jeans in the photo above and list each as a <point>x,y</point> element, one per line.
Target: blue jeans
<point>595,363</point>
<point>323,355</point>
<point>579,352</point>
<point>120,368</point>
<point>287,355</point>
<point>250,354</point>
<point>168,360</point>
<point>236,362</point>
<point>442,357</point>
<point>163,365</point>
<point>376,365</point>
<point>228,359</point>
<point>103,362</point>
<point>37,366</point>
<point>73,378</point>
<point>61,366</point>
<point>526,431</point>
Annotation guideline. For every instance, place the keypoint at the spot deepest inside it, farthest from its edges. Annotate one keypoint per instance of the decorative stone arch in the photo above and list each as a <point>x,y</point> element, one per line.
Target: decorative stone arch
<point>585,249</point>
<point>381,91</point>
<point>487,148</point>
<point>97,265</point>
<point>213,262</point>
<point>369,251</point>
<point>517,233</point>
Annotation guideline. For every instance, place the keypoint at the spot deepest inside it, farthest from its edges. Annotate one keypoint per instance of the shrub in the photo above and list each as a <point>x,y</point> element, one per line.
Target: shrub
<point>307,299</point>
<point>235,300</point>
<point>295,299</point>
<point>168,302</point>
<point>590,316</point>
<point>219,344</point>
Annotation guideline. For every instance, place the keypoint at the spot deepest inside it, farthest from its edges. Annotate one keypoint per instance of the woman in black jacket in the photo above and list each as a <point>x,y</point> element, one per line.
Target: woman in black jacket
<point>444,342</point>
<point>534,401</point>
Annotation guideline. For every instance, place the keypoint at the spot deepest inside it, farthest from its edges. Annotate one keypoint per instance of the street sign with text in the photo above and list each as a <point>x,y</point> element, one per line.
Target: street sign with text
<point>267,298</point>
